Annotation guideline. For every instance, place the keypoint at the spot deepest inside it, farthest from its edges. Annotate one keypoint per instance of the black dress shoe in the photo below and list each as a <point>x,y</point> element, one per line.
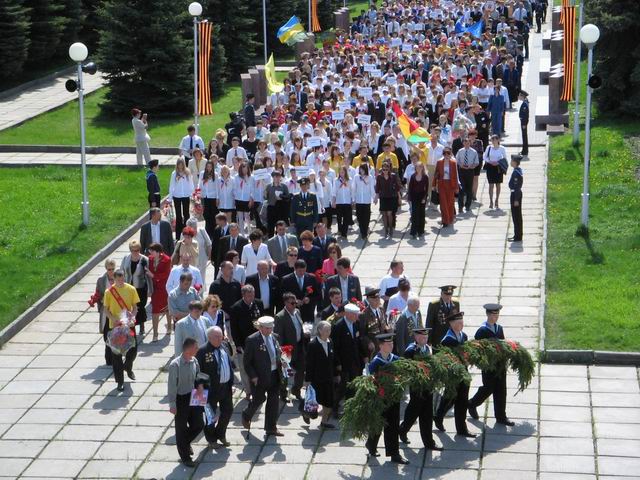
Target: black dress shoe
<point>373,453</point>
<point>473,411</point>
<point>467,434</point>
<point>327,426</point>
<point>306,419</point>
<point>514,239</point>
<point>275,433</point>
<point>246,423</point>
<point>131,375</point>
<point>187,462</point>
<point>403,438</point>
<point>190,450</point>
<point>433,446</point>
<point>505,421</point>
<point>121,387</point>
<point>399,459</point>
<point>224,442</point>
<point>437,421</point>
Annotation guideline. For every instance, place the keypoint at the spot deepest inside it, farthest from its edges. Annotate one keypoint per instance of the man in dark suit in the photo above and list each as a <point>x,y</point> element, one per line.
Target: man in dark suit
<point>377,109</point>
<point>335,309</point>
<point>372,321</point>
<point>214,359</point>
<point>280,242</point>
<point>301,97</point>
<point>524,121</point>
<point>250,110</point>
<point>306,289</point>
<point>322,239</point>
<point>290,331</point>
<point>221,230</point>
<point>226,287</point>
<point>346,282</point>
<point>242,316</point>
<point>437,314</point>
<point>304,208</point>
<point>156,230</point>
<point>263,365</point>
<point>267,287</point>
<point>350,358</point>
<point>233,241</point>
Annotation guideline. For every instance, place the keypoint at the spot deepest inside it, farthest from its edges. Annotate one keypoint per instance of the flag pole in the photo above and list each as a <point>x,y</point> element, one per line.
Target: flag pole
<point>576,111</point>
<point>264,28</point>
<point>310,21</point>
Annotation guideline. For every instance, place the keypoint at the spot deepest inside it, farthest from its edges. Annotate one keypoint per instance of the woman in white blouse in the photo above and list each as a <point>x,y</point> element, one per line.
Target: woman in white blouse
<point>492,155</point>
<point>483,92</point>
<point>242,194</point>
<point>364,196</point>
<point>326,185</point>
<point>226,197</point>
<point>316,187</point>
<point>196,165</point>
<point>180,190</point>
<point>343,200</point>
<point>204,247</point>
<point>208,186</point>
<point>255,251</point>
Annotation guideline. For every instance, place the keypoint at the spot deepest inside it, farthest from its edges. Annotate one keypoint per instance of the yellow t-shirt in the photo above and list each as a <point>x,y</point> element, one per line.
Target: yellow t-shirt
<point>128,293</point>
<point>357,160</point>
<point>392,156</point>
<point>336,163</point>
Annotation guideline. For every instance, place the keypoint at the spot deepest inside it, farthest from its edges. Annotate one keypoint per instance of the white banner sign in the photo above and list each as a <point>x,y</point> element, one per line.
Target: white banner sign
<point>396,42</point>
<point>303,172</point>
<point>364,119</point>
<point>337,115</point>
<point>314,142</point>
<point>343,106</point>
<point>262,174</point>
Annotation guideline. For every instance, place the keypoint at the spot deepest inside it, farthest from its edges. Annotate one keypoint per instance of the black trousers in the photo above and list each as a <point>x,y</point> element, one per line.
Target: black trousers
<point>496,385</point>
<point>269,392</point>
<point>516,214</point>
<point>328,214</point>
<point>342,391</point>
<point>460,403</point>
<point>275,213</point>
<point>255,213</point>
<point>465,196</point>
<point>538,23</point>
<point>363,215</point>
<point>141,315</point>
<point>420,408</point>
<point>209,214</point>
<point>418,217</point>
<point>121,365</point>
<point>298,363</point>
<point>391,431</point>
<point>343,213</point>
<point>108,354</point>
<point>188,423</point>
<point>221,402</point>
<point>525,139</point>
<point>181,205</point>
<point>154,200</point>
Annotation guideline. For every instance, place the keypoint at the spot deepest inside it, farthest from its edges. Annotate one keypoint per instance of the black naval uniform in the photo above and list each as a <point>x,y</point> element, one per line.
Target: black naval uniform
<point>515,185</point>
<point>420,405</point>
<point>524,121</point>
<point>493,383</point>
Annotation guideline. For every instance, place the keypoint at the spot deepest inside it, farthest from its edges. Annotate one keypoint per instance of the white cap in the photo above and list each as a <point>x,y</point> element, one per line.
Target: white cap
<point>266,321</point>
<point>351,308</point>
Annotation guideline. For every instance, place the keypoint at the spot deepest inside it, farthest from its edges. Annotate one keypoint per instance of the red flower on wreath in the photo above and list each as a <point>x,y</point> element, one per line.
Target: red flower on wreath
<point>309,290</point>
<point>381,392</point>
<point>513,344</point>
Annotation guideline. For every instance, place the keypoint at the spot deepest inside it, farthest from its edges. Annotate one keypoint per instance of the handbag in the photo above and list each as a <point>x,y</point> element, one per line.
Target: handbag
<point>504,165</point>
<point>435,197</point>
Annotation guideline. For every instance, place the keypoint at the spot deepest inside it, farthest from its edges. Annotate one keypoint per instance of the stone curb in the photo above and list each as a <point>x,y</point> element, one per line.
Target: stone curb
<point>55,293</point>
<point>76,149</point>
<point>543,273</point>
<point>590,357</point>
<point>36,82</point>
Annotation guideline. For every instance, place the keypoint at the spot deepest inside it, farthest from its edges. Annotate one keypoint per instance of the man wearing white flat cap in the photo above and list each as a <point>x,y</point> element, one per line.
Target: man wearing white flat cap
<point>263,366</point>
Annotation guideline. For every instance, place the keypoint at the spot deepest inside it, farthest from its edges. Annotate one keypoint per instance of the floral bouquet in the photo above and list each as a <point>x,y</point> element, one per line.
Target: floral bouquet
<point>286,352</point>
<point>358,303</point>
<point>393,318</point>
<point>95,298</point>
<point>320,276</point>
<point>169,215</point>
<point>121,339</point>
<point>197,208</point>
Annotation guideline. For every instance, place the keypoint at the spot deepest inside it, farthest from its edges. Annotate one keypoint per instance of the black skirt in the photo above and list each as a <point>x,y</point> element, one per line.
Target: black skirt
<point>389,204</point>
<point>242,206</point>
<point>324,393</point>
<point>494,173</point>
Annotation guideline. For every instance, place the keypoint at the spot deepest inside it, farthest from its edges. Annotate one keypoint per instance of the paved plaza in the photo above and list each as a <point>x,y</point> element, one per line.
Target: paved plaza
<point>61,416</point>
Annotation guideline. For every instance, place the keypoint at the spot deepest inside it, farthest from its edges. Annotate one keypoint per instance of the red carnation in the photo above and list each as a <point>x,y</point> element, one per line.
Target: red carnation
<point>513,344</point>
<point>380,392</point>
<point>287,349</point>
<point>309,290</point>
<point>394,312</point>
<point>198,287</point>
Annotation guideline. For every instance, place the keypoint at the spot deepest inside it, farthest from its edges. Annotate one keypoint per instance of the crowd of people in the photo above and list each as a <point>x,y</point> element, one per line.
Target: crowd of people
<point>268,187</point>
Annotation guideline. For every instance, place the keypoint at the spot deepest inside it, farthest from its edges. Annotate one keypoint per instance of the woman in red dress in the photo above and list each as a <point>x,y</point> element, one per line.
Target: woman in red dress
<point>445,182</point>
<point>159,268</point>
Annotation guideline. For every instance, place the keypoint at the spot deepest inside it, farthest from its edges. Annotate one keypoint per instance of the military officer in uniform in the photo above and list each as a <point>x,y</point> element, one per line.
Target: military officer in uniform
<point>372,321</point>
<point>493,383</point>
<point>515,185</point>
<point>420,405</point>
<point>455,337</point>
<point>524,121</point>
<point>304,208</point>
<point>437,314</point>
<point>392,414</point>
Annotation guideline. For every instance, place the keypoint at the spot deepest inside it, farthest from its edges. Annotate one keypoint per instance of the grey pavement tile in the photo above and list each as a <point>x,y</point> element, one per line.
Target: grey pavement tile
<point>524,428</point>
<point>564,384</point>
<point>26,431</point>
<point>566,476</point>
<point>48,468</point>
<point>81,432</point>
<point>567,464</point>
<point>500,474</point>
<point>341,455</point>
<point>566,446</point>
<point>70,450</point>
<point>20,448</point>
<point>276,472</point>
<point>345,472</point>
<point>429,473</point>
<point>61,361</point>
<point>47,415</point>
<point>602,371</point>
<point>11,361</point>
<point>12,467</point>
<point>177,471</point>
<point>124,451</point>
<point>30,386</point>
<point>510,444</point>
<point>455,460</point>
<point>105,403</point>
<point>615,400</point>
<point>566,429</point>
<point>618,465</point>
<point>618,447</point>
<point>97,417</point>
<point>616,415</point>
<point>576,399</point>
<point>510,461</point>
<point>126,433</point>
<point>11,415</point>
<point>390,470</point>
<point>614,385</point>
<point>109,469</point>
<point>565,414</point>
<point>617,430</point>
<point>36,374</point>
<point>285,454</point>
<point>553,370</point>
<point>28,350</point>
<point>19,400</point>
<point>73,388</point>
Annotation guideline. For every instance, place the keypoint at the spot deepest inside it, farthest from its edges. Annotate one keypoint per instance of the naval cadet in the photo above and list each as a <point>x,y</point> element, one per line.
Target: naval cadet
<point>391,415</point>
<point>524,121</point>
<point>304,208</point>
<point>515,185</point>
<point>493,383</point>
<point>437,314</point>
<point>455,337</point>
<point>420,405</point>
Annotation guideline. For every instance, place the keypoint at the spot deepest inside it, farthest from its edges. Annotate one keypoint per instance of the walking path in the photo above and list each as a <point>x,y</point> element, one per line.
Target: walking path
<point>47,96</point>
<point>61,416</point>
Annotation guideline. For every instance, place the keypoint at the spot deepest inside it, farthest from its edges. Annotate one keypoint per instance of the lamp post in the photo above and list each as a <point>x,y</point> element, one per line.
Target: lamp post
<point>264,29</point>
<point>195,10</point>
<point>589,35</point>
<point>78,52</point>
<point>576,111</point>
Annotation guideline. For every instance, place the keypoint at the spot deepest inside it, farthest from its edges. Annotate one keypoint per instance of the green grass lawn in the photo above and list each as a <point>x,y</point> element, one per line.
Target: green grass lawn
<point>356,6</point>
<point>41,241</point>
<point>593,287</point>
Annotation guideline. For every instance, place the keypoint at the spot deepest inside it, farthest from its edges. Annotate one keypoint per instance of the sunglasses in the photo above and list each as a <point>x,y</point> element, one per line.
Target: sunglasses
<point>292,254</point>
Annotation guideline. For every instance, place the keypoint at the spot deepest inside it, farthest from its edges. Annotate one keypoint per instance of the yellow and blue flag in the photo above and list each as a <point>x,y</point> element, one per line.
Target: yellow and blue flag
<point>273,85</point>
<point>290,29</point>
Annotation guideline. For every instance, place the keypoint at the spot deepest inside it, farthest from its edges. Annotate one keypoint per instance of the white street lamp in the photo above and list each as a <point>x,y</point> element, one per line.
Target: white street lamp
<point>589,35</point>
<point>78,53</point>
<point>195,10</point>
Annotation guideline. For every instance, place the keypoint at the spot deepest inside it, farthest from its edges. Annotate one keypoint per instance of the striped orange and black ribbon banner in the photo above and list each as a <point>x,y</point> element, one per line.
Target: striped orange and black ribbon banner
<point>565,3</point>
<point>315,23</point>
<point>568,48</point>
<point>204,54</point>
